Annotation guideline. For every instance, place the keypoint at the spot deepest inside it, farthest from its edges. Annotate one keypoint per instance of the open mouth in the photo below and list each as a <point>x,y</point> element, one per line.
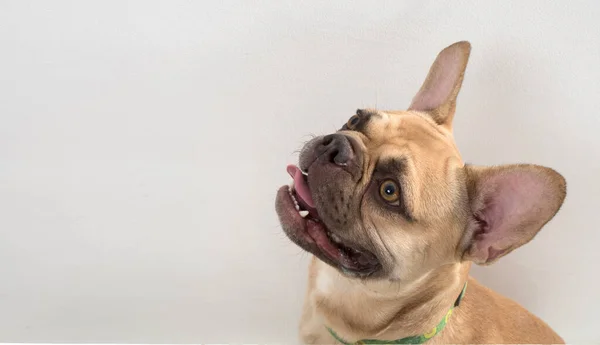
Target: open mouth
<point>302,224</point>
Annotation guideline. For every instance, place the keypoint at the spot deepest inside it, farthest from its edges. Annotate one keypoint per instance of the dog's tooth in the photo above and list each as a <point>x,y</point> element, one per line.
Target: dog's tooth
<point>303,213</point>
<point>297,208</point>
<point>304,172</point>
<point>335,238</point>
<point>293,198</point>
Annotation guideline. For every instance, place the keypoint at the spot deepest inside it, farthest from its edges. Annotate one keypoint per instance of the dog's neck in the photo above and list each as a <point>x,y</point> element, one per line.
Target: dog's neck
<point>382,309</point>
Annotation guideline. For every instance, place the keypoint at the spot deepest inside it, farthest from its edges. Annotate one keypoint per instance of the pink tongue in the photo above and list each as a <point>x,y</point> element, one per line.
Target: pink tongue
<point>300,185</point>
<point>317,232</point>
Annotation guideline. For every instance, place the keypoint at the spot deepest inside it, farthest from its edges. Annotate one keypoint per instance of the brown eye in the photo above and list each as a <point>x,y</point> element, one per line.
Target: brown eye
<point>353,121</point>
<point>390,192</point>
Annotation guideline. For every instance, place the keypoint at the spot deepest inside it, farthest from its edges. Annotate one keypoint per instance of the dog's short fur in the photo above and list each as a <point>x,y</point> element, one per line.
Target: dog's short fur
<point>447,216</point>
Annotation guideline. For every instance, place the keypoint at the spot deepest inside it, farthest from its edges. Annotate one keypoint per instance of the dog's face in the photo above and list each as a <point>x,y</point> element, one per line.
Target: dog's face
<point>388,195</point>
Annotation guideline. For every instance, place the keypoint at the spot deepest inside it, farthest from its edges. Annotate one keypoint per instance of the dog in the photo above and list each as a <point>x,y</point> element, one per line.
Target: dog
<point>394,219</point>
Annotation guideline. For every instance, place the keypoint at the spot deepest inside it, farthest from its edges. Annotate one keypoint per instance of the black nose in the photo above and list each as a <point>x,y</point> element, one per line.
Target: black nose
<point>336,149</point>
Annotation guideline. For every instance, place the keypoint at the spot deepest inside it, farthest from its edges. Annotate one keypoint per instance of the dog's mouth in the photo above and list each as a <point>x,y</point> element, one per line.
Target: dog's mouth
<point>302,224</point>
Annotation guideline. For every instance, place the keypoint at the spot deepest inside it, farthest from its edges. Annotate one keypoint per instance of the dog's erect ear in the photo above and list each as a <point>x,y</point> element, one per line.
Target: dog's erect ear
<point>438,93</point>
<point>510,205</point>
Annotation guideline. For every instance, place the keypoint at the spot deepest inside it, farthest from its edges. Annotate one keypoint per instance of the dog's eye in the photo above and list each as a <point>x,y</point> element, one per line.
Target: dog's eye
<point>352,122</point>
<point>390,192</point>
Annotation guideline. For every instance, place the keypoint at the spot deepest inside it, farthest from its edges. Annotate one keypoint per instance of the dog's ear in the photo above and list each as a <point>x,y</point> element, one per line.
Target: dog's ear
<point>509,204</point>
<point>437,95</point>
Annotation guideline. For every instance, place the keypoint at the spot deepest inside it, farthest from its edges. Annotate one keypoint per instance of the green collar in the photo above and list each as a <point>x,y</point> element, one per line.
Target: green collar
<point>417,339</point>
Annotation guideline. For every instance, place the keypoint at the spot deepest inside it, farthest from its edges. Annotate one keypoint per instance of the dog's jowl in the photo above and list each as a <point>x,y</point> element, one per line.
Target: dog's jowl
<point>394,219</point>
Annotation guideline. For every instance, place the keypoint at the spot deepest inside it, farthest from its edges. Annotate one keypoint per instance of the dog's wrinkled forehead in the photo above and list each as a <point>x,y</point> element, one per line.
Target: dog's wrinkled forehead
<point>397,128</point>
<point>359,121</point>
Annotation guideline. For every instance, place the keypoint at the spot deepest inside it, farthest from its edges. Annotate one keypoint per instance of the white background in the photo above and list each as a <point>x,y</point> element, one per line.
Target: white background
<point>141,145</point>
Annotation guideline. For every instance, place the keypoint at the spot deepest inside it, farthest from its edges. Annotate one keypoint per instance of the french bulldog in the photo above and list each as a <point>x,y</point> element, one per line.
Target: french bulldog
<point>394,219</point>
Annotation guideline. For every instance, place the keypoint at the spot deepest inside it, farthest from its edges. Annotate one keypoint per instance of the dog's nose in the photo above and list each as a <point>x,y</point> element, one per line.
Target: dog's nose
<point>336,149</point>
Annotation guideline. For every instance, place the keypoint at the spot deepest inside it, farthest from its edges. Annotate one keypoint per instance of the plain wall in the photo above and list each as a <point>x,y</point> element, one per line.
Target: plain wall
<point>142,143</point>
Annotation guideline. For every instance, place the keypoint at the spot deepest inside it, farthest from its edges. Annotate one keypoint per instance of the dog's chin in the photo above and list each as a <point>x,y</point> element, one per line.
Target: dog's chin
<point>301,223</point>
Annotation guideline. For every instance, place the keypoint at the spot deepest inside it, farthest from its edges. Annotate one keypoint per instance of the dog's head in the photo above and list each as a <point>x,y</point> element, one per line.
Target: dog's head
<point>388,195</point>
